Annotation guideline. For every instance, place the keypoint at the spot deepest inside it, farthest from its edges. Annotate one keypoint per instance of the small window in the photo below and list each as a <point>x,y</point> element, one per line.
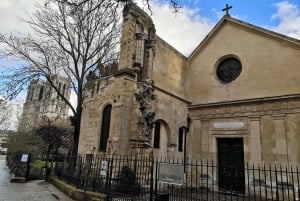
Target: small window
<point>41,93</point>
<point>180,139</point>
<point>31,95</point>
<point>156,135</point>
<point>37,109</point>
<point>105,126</point>
<point>59,86</point>
<point>64,90</point>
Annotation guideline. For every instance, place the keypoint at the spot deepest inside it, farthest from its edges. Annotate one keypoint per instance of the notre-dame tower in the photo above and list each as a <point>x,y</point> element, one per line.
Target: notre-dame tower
<point>43,102</point>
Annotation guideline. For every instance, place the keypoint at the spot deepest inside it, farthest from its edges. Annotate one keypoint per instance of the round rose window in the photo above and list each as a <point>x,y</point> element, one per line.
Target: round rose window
<point>228,70</point>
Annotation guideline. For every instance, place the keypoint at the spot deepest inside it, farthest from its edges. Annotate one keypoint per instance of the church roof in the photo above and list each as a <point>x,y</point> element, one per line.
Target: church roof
<point>247,26</point>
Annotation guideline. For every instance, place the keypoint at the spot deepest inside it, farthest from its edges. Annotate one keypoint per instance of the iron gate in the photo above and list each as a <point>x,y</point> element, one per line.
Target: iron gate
<point>130,178</point>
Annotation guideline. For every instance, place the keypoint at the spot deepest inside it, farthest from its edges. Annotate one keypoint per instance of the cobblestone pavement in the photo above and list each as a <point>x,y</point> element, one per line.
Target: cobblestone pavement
<point>37,190</point>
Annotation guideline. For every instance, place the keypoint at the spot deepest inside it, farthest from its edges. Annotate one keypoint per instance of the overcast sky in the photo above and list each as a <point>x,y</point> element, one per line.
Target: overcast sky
<point>184,30</point>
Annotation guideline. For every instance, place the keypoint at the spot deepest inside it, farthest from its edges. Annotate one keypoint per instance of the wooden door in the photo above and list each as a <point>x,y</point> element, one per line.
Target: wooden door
<point>231,172</point>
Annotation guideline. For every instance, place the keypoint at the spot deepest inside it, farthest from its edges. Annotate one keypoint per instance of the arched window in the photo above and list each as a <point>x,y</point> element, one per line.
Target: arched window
<point>180,139</point>
<point>31,95</point>
<point>156,135</point>
<point>41,93</point>
<point>64,89</point>
<point>105,127</point>
<point>49,92</point>
<point>59,86</point>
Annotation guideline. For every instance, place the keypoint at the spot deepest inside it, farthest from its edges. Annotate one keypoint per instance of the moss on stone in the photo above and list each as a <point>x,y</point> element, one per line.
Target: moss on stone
<point>75,193</point>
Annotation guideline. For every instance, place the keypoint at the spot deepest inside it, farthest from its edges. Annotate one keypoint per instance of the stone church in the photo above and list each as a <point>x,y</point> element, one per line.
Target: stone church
<point>43,103</point>
<point>236,95</point>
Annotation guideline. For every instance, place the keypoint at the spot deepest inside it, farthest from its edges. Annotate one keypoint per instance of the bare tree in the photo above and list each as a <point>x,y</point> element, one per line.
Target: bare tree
<point>5,114</point>
<point>66,40</point>
<point>76,3</point>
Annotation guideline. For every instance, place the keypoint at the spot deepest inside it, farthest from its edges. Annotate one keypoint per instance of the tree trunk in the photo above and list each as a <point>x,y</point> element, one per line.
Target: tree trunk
<point>75,141</point>
<point>47,162</point>
<point>48,153</point>
<point>77,123</point>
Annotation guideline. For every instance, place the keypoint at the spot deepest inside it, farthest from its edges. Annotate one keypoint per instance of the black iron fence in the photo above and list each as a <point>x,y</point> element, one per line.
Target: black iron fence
<point>146,178</point>
<point>204,180</point>
<point>19,165</point>
<point>129,177</point>
<point>26,166</point>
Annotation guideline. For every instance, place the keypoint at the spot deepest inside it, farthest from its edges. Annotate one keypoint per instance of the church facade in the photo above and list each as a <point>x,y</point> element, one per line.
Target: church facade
<point>43,103</point>
<point>236,96</point>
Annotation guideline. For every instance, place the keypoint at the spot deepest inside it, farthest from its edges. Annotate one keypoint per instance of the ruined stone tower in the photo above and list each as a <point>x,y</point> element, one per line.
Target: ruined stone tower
<point>112,120</point>
<point>137,43</point>
<point>43,103</point>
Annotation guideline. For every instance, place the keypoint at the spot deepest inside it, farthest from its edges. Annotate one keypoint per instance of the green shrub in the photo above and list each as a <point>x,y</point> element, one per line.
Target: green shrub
<point>38,164</point>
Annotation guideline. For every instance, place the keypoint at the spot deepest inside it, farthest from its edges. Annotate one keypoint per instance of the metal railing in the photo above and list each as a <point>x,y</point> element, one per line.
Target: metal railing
<point>19,165</point>
<point>146,178</point>
<point>116,176</point>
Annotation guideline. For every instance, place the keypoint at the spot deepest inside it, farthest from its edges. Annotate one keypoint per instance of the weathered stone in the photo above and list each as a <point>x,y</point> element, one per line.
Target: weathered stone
<point>261,105</point>
<point>43,104</point>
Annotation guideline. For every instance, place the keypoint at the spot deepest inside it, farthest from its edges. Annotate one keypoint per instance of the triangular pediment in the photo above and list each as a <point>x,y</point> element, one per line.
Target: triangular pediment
<point>269,64</point>
<point>227,20</point>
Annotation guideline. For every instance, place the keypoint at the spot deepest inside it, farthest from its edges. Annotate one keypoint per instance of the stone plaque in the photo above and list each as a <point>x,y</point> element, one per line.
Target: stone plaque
<point>104,166</point>
<point>171,173</point>
<point>229,125</point>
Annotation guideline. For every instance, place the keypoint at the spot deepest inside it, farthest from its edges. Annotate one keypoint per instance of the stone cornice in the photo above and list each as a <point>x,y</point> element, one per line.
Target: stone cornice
<point>125,72</point>
<point>253,109</point>
<point>171,94</point>
<point>248,101</point>
<point>278,116</point>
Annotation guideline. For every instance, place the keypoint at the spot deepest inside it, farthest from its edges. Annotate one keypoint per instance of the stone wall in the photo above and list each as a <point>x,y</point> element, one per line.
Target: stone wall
<point>42,102</point>
<point>119,92</point>
<point>269,65</point>
<point>169,69</point>
<point>172,113</point>
<point>269,128</point>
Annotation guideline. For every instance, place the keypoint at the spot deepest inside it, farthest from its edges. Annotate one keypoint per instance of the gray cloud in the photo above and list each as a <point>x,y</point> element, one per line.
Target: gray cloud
<point>183,30</point>
<point>11,11</point>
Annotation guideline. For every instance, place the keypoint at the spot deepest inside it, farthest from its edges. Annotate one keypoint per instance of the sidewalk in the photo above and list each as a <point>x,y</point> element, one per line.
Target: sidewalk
<point>37,190</point>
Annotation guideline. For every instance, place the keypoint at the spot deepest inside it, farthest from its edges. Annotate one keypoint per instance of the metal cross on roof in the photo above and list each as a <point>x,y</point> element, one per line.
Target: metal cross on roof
<point>227,8</point>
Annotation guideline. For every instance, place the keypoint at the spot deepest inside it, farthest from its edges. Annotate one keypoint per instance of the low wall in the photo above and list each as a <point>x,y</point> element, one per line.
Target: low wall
<point>75,193</point>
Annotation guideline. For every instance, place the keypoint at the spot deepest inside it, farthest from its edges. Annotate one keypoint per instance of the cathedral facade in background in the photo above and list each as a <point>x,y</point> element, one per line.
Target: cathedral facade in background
<point>43,103</point>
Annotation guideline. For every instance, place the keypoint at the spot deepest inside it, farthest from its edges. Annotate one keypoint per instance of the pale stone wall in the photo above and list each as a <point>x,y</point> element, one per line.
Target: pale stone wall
<point>270,66</point>
<point>293,138</point>
<point>268,141</point>
<point>135,21</point>
<point>119,92</point>
<point>172,112</point>
<point>169,107</point>
<point>269,129</point>
<point>169,69</point>
<point>165,135</point>
<point>262,105</point>
<point>42,102</point>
